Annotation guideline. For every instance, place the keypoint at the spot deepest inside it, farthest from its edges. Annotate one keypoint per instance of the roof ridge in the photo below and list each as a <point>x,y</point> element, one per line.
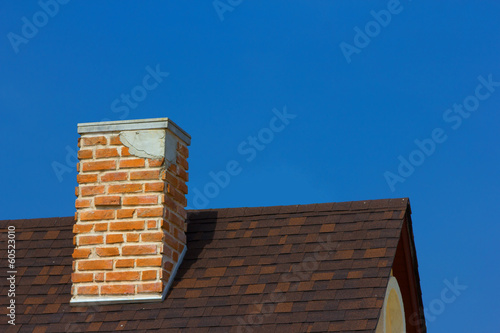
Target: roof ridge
<point>346,207</point>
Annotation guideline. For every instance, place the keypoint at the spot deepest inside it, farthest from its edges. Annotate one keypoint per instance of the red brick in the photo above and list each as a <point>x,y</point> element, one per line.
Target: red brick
<point>93,215</point>
<point>145,175</point>
<point>133,250</point>
<point>167,252</point>
<point>149,275</point>
<point>94,140</point>
<point>106,152</point>
<point>171,179</point>
<point>114,176</point>
<point>152,224</point>
<point>140,200</point>
<point>132,163</point>
<point>107,251</point>
<point>81,228</point>
<point>169,202</point>
<point>168,266</point>
<point>90,239</point>
<point>109,200</point>
<point>124,226</point>
<point>85,154</point>
<point>155,163</point>
<point>150,287</point>
<point>180,235</point>
<point>176,220</point>
<point>81,253</point>
<point>149,262</point>
<point>182,187</point>
<point>98,166</point>
<point>125,213</point>
<point>174,193</point>
<point>124,188</point>
<point>172,168</point>
<point>183,175</point>
<point>155,187</point>
<point>114,238</point>
<point>92,265</point>
<point>99,277</point>
<point>150,212</point>
<point>123,276</point>
<point>91,190</point>
<point>182,162</point>
<point>85,179</point>
<point>98,227</point>
<point>124,263</point>
<point>125,152</point>
<point>87,290</point>
<point>183,150</point>
<point>132,237</point>
<point>166,225</point>
<point>115,140</point>
<point>120,289</point>
<point>152,237</point>
<point>83,203</point>
<point>172,242</point>
<point>181,212</point>
<point>82,277</point>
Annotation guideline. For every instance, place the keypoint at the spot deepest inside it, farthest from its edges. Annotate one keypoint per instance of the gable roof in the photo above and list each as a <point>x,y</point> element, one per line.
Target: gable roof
<point>301,268</point>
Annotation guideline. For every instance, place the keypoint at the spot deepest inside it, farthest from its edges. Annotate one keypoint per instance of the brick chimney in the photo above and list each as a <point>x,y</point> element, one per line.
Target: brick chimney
<point>130,218</point>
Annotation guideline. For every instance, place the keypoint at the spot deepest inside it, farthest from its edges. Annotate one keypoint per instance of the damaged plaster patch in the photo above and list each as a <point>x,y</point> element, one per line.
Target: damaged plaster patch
<point>145,144</point>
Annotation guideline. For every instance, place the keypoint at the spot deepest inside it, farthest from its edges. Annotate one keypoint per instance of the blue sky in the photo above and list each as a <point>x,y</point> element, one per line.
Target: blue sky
<point>358,93</point>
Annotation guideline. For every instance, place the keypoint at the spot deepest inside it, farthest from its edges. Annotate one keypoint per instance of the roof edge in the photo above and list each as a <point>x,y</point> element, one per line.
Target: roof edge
<point>379,204</point>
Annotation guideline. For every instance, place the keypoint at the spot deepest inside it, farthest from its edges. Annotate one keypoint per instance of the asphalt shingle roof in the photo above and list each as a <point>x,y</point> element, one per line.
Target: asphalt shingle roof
<point>302,268</point>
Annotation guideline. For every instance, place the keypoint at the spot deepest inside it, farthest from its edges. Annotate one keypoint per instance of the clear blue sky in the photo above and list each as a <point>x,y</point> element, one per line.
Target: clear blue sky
<point>360,101</point>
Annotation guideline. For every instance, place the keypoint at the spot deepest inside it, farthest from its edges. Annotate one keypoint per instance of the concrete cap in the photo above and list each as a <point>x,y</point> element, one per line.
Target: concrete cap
<point>135,124</point>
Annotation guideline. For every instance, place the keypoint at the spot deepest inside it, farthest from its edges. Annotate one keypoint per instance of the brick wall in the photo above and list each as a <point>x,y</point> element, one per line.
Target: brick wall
<point>130,219</point>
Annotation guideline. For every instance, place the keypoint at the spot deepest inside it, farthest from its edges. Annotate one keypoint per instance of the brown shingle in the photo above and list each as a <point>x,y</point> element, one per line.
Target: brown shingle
<point>319,267</point>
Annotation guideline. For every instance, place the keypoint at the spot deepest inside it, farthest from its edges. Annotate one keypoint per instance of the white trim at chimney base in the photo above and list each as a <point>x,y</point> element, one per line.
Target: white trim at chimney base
<point>87,301</point>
